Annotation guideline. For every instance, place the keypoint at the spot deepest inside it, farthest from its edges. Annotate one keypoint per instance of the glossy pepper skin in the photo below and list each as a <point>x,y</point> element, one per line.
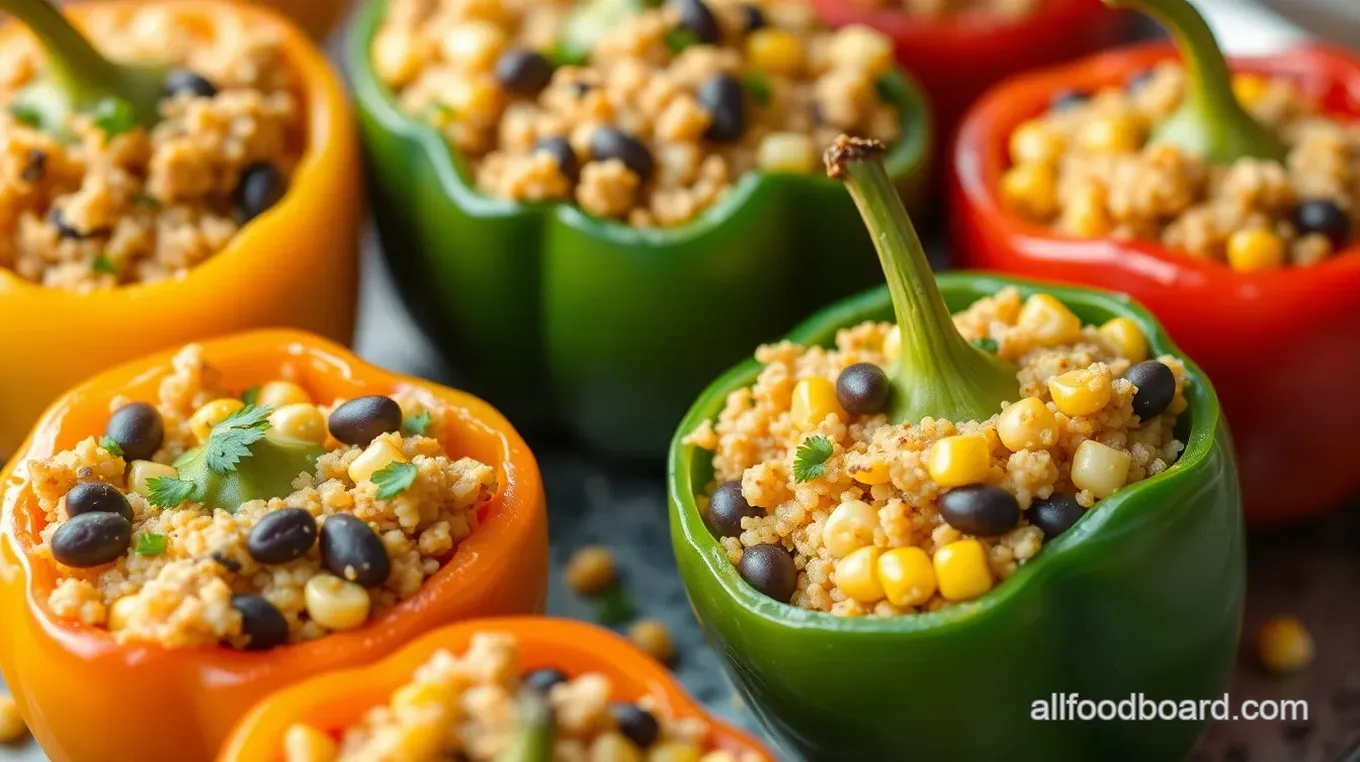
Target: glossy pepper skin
<point>1144,594</point>
<point>339,699</point>
<point>70,680</point>
<point>1280,345</point>
<point>295,265</point>
<point>605,329</point>
<point>957,58</point>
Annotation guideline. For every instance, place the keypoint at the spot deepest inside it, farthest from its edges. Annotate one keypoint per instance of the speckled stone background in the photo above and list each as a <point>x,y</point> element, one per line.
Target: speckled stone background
<point>1310,571</point>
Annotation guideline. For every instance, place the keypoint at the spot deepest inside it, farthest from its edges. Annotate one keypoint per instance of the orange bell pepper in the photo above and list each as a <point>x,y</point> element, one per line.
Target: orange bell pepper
<point>334,701</point>
<point>316,17</point>
<point>77,687</point>
<point>294,265</point>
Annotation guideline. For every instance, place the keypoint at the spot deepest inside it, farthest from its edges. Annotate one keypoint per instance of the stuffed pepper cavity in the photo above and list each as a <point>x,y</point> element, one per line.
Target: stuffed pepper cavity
<point>132,194</point>
<point>240,496</point>
<point>656,152</point>
<point>1223,198</point>
<point>496,691</point>
<point>936,496</point>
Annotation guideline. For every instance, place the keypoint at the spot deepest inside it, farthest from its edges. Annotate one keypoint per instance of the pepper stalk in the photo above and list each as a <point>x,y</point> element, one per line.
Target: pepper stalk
<point>1210,121</point>
<point>938,373</point>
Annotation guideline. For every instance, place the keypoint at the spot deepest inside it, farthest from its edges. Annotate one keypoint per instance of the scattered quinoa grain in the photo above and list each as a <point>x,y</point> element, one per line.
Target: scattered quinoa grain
<point>590,570</point>
<point>652,636</point>
<point>12,727</point>
<point>1284,645</point>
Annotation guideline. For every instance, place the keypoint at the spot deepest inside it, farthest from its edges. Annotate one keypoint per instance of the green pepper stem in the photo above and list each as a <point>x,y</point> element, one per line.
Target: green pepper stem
<point>1210,121</point>
<point>938,373</point>
<point>72,62</point>
<point>534,736</point>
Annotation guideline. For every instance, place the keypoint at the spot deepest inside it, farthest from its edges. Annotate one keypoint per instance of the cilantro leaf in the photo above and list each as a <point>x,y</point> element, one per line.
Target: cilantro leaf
<point>986,344</point>
<point>251,396</point>
<point>680,38</point>
<point>757,86</point>
<point>111,445</point>
<point>809,462</point>
<point>416,425</point>
<point>394,478</point>
<point>150,544</point>
<point>170,491</point>
<point>102,264</point>
<point>231,439</point>
<point>114,116</point>
<point>26,114</point>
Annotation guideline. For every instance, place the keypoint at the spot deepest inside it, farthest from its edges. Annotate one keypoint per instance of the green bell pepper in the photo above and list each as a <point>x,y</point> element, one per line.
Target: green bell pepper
<point>609,330</point>
<point>1143,595</point>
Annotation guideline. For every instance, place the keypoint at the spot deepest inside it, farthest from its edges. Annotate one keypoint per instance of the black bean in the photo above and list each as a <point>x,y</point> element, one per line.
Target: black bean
<point>189,82</point>
<point>1156,388</point>
<point>282,536</point>
<point>542,680</point>
<point>58,220</point>
<point>261,186</point>
<point>754,17</point>
<point>91,539</point>
<point>1064,100</point>
<point>636,723</point>
<point>351,550</point>
<point>863,389</point>
<point>97,497</point>
<point>725,100</point>
<point>225,561</point>
<point>561,150</point>
<point>727,507</point>
<point>261,622</point>
<point>698,20</point>
<point>523,72</point>
<point>362,419</point>
<point>1055,514</point>
<point>35,166</point>
<point>612,143</point>
<point>1323,217</point>
<point>138,429</point>
<point>982,510</point>
<point>770,570</point>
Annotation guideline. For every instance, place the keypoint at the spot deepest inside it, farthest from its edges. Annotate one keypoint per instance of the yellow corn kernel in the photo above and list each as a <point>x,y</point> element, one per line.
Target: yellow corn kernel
<point>473,45</point>
<point>1255,249</point>
<point>374,459</point>
<point>1032,190</point>
<point>1081,392</point>
<point>12,726</point>
<point>334,603</point>
<point>1085,215</point>
<point>962,571</point>
<point>614,747</point>
<point>1249,88</point>
<point>892,343</point>
<point>1123,133</point>
<point>861,48</point>
<point>813,400</point>
<point>878,473</point>
<point>141,472</point>
<point>775,51</point>
<point>1036,142</point>
<point>421,696</point>
<point>789,152</point>
<point>1027,425</point>
<point>280,394</point>
<point>211,414</point>
<point>304,743</point>
<point>907,576</point>
<point>1284,645</point>
<point>1048,321</point>
<point>1099,468</point>
<point>120,613</point>
<point>1126,338</point>
<point>299,421</point>
<point>960,460</point>
<point>476,99</point>
<point>857,575</point>
<point>850,527</point>
<point>674,751</point>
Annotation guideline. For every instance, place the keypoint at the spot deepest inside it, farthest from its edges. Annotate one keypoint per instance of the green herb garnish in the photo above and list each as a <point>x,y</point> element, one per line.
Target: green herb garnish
<point>680,38</point>
<point>146,202</point>
<point>102,264</point>
<point>809,462</point>
<point>986,344</point>
<point>150,544</point>
<point>251,396</point>
<point>439,114</point>
<point>416,425</point>
<point>394,478</point>
<point>757,86</point>
<point>170,491</point>
<point>231,439</point>
<point>114,116</point>
<point>26,114</point>
<point>613,607</point>
<point>111,446</point>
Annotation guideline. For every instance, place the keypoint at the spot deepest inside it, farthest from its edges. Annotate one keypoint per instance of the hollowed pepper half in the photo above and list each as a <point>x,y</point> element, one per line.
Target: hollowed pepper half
<point>606,329</point>
<point>70,681</point>
<point>336,700</point>
<point>1278,343</point>
<point>1143,595</point>
<point>295,265</point>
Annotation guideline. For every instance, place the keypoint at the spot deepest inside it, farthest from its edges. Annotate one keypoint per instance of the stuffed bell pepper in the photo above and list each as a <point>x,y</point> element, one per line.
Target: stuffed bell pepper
<point>959,48</point>
<point>198,529</point>
<point>495,690</point>
<point>210,187</point>
<point>594,206</point>
<point>1228,203</point>
<point>945,522</point>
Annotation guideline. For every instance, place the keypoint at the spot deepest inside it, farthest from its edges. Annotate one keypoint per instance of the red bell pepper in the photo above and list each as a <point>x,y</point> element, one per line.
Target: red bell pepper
<point>956,58</point>
<point>1281,345</point>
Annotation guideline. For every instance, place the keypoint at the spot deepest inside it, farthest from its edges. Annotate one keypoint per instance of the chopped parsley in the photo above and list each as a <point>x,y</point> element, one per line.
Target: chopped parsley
<point>102,264</point>
<point>757,86</point>
<point>680,38</point>
<point>394,478</point>
<point>114,116</point>
<point>111,445</point>
<point>251,396</point>
<point>809,462</point>
<point>613,607</point>
<point>146,202</point>
<point>170,491</point>
<point>986,344</point>
<point>150,544</point>
<point>26,114</point>
<point>416,425</point>
<point>231,439</point>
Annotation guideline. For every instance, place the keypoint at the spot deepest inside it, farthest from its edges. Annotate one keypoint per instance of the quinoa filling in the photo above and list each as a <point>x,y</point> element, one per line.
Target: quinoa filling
<point>101,201</point>
<point>821,502</point>
<point>652,122</point>
<point>204,519</point>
